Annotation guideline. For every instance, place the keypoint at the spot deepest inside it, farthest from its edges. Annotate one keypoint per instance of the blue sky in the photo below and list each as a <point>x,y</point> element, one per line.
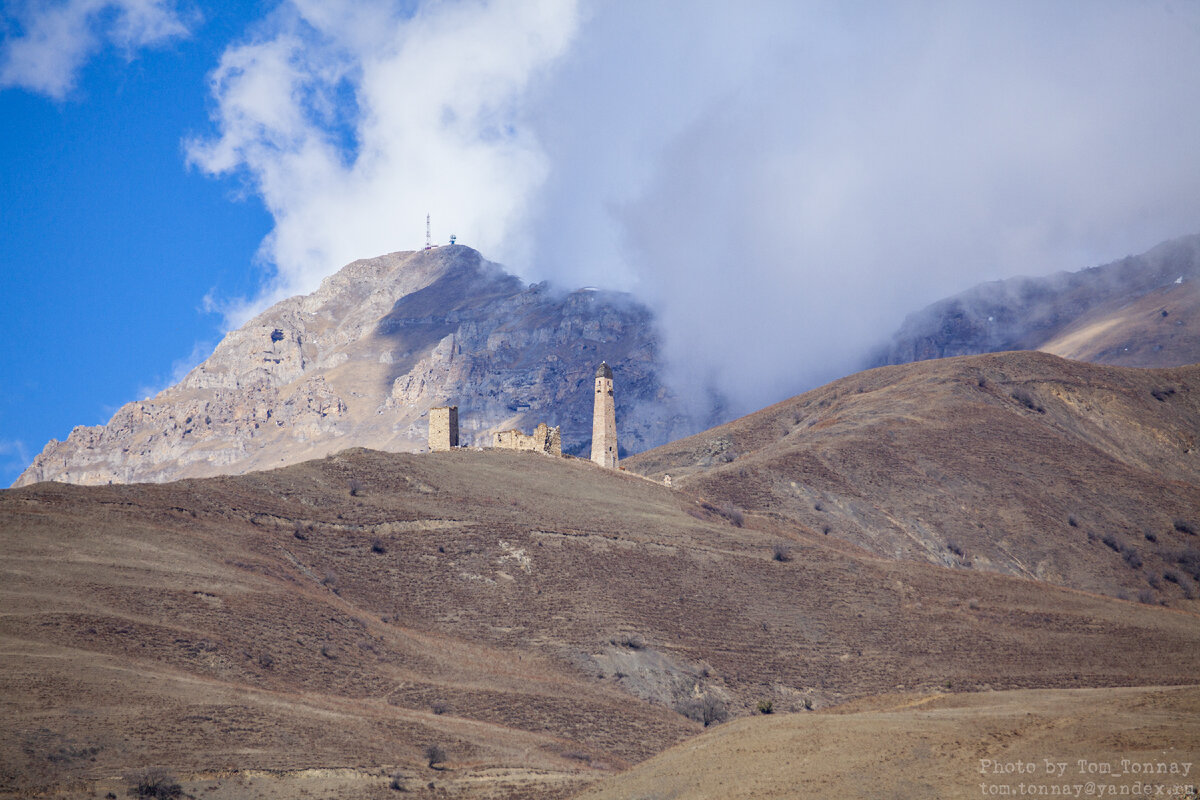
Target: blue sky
<point>782,181</point>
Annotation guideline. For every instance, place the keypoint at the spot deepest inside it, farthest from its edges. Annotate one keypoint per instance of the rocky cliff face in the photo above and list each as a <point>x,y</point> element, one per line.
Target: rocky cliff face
<point>1139,311</point>
<point>360,361</point>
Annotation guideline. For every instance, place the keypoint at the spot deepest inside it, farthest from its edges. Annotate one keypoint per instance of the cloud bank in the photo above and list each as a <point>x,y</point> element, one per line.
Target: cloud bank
<point>783,181</point>
<point>354,120</point>
<point>46,42</point>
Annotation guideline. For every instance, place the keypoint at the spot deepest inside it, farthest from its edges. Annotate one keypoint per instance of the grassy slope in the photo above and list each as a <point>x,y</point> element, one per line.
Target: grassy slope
<point>949,746</point>
<point>1023,463</point>
<point>552,611</point>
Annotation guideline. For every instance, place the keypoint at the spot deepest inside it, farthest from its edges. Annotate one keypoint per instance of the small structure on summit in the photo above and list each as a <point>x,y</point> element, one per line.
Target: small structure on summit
<point>443,428</point>
<point>544,440</point>
<point>604,419</point>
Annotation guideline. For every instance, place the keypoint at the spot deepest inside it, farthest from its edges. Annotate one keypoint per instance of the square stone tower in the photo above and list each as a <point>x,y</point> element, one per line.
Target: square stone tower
<point>604,420</point>
<point>443,428</point>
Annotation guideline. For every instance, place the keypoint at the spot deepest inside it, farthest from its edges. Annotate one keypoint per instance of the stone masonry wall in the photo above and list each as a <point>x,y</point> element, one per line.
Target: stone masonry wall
<point>443,428</point>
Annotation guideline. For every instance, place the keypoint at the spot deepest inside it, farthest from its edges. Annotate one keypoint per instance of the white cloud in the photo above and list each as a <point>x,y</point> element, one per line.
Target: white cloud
<point>58,36</point>
<point>14,458</point>
<point>352,121</point>
<point>784,181</point>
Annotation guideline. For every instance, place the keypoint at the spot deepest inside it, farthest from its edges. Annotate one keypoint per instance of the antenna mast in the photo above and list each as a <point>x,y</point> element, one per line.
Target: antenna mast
<point>428,239</point>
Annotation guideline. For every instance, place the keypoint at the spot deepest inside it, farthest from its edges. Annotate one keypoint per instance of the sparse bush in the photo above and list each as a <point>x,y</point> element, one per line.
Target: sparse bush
<point>1150,537</point>
<point>818,507</point>
<point>1161,395</point>
<point>1183,526</point>
<point>766,707</point>
<point>399,782</point>
<point>808,704</point>
<point>1189,561</point>
<point>355,486</point>
<point>1132,557</point>
<point>1074,523</point>
<point>1154,581</point>
<point>577,755</point>
<point>299,532</point>
<point>733,514</point>
<point>953,547</point>
<point>1111,542</point>
<point>155,783</point>
<point>630,640</point>
<point>266,661</point>
<point>1023,397</point>
<point>1091,536</point>
<point>1172,576</point>
<point>826,530</point>
<point>377,546</point>
<point>329,651</point>
<point>434,755</point>
<point>1146,596</point>
<point>707,710</point>
<point>331,580</point>
<point>439,707</point>
<point>781,552</point>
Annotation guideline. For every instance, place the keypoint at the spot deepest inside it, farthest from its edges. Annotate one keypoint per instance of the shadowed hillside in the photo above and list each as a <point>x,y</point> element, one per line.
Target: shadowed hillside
<point>543,620</point>
<point>1136,312</point>
<point>1022,463</point>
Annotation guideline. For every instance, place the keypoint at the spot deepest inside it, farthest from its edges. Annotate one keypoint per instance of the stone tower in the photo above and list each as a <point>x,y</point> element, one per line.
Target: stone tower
<point>443,428</point>
<point>604,420</point>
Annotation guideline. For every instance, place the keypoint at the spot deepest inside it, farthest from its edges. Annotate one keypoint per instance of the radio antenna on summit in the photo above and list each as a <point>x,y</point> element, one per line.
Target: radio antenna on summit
<point>428,238</point>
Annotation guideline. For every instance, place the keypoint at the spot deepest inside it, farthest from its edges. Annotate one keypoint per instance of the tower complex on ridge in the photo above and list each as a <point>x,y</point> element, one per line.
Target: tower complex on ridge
<point>604,420</point>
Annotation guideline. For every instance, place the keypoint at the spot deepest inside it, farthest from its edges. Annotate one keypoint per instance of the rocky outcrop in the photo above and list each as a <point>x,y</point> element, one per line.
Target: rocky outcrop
<point>360,361</point>
<point>1134,312</point>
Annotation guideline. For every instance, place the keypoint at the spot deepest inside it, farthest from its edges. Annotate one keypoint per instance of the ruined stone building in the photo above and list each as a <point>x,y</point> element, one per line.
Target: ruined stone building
<point>604,419</point>
<point>544,440</point>
<point>443,428</point>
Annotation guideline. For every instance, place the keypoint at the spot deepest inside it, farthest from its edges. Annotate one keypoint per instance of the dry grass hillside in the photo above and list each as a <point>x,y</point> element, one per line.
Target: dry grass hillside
<point>310,630</point>
<point>1023,463</point>
<point>1076,743</point>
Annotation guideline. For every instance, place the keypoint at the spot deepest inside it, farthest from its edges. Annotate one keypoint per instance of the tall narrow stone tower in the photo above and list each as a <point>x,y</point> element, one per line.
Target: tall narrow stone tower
<point>604,420</point>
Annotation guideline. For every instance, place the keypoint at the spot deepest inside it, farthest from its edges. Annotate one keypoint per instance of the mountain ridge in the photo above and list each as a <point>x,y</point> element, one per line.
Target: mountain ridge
<point>1137,311</point>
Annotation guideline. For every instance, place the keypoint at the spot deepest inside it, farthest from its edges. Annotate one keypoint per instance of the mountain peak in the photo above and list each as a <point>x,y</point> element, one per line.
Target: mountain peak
<point>360,361</point>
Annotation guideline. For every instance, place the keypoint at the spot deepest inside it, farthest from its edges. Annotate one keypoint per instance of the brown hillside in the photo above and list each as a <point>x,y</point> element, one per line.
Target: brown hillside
<point>941,746</point>
<point>314,627</point>
<point>1024,463</point>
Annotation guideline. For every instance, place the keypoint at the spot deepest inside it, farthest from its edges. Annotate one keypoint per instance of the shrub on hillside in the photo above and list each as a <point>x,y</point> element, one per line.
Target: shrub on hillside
<point>1183,526</point>
<point>733,514</point>
<point>707,710</point>
<point>1189,561</point>
<point>781,552</point>
<point>1023,397</point>
<point>155,783</point>
<point>434,754</point>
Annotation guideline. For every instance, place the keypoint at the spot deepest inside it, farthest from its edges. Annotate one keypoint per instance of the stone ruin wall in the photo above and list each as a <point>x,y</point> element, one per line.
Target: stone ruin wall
<point>543,440</point>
